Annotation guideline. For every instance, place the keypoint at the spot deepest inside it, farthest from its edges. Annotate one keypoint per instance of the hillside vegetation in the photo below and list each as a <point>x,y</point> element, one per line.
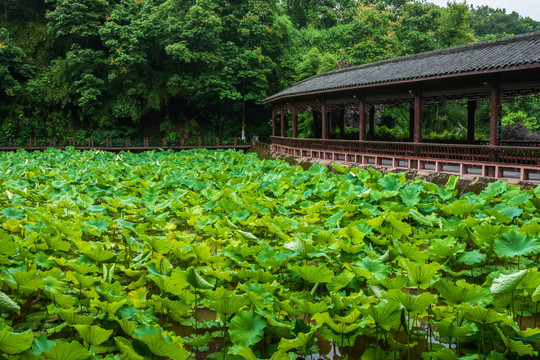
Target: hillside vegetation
<point>127,68</point>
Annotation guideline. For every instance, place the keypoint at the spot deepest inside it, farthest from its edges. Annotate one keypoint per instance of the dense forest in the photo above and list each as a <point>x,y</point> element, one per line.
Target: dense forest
<point>127,68</point>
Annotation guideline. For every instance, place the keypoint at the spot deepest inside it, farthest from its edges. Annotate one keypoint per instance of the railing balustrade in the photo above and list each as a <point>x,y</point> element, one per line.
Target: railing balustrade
<point>518,155</point>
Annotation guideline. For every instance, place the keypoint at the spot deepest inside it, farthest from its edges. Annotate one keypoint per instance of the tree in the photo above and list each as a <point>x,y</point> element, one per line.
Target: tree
<point>453,27</point>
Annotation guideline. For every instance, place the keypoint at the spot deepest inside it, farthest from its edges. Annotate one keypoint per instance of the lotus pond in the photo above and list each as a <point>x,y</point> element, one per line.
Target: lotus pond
<point>220,255</point>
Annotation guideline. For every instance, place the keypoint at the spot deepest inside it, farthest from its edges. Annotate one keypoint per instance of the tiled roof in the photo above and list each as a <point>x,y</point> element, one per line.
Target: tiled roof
<point>489,55</point>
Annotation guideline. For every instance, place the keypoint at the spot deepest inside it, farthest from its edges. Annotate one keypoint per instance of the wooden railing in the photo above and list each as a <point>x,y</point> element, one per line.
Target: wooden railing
<point>111,144</point>
<point>473,153</point>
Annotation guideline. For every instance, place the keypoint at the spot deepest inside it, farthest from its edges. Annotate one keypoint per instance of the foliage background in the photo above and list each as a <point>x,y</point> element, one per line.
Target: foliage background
<point>132,68</point>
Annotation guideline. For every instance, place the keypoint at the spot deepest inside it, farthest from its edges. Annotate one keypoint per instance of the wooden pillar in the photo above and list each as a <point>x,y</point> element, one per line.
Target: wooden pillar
<point>274,130</point>
<point>283,119</point>
<point>418,105</point>
<point>471,113</point>
<point>496,104</point>
<point>324,116</point>
<point>371,133</point>
<point>411,122</point>
<point>362,127</point>
<point>294,123</point>
<point>342,124</point>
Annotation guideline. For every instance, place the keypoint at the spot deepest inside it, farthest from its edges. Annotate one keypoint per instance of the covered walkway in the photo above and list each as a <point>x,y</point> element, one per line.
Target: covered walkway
<point>494,71</point>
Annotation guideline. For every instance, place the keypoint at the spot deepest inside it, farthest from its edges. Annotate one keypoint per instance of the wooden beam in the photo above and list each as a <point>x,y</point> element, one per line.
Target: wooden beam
<point>418,106</point>
<point>495,120</point>
<point>371,131</point>
<point>294,122</point>
<point>362,126</point>
<point>471,114</point>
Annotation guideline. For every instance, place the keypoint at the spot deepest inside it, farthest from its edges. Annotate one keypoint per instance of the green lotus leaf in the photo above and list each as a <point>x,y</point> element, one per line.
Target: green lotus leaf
<point>484,235</point>
<point>481,315</point>
<point>452,182</point>
<point>410,197</point>
<point>72,318</point>
<point>67,351</point>
<point>507,283</point>
<point>390,182</point>
<point>26,282</point>
<point>13,343</point>
<point>13,213</point>
<point>520,348</point>
<point>511,211</point>
<point>7,245</point>
<point>385,314</point>
<point>420,275</point>
<point>334,220</point>
<point>398,282</point>
<point>397,227</point>
<point>340,281</point>
<point>420,218</point>
<point>314,274</point>
<point>458,293</point>
<point>92,334</point>
<point>353,234</point>
<point>126,348</point>
<point>471,257</point>
<point>301,341</point>
<point>195,280</point>
<point>7,304</point>
<point>86,281</point>
<point>449,330</point>
<point>446,247</point>
<point>56,243</point>
<point>369,268</point>
<point>414,304</point>
<point>96,227</point>
<point>225,302</point>
<point>459,208</point>
<point>199,341</point>
<point>246,328</point>
<point>513,244</point>
<point>41,344</point>
<point>101,255</point>
<point>127,326</point>
<point>309,307</point>
<point>245,352</point>
<point>536,294</point>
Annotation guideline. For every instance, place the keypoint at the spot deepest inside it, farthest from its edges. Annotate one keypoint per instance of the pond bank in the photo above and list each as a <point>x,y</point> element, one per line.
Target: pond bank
<point>466,183</point>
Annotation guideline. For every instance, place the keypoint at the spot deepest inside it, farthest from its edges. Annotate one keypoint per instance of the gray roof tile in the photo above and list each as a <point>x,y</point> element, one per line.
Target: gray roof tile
<point>502,53</point>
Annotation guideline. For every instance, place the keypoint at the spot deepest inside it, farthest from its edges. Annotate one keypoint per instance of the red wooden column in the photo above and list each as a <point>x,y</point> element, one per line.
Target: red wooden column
<point>283,119</point>
<point>274,130</point>
<point>371,131</point>
<point>471,113</point>
<point>418,105</point>
<point>294,122</point>
<point>324,116</point>
<point>496,107</point>
<point>362,127</point>
<point>411,122</point>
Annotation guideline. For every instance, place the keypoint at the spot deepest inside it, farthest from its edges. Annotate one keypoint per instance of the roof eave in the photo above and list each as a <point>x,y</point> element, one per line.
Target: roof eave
<point>405,81</point>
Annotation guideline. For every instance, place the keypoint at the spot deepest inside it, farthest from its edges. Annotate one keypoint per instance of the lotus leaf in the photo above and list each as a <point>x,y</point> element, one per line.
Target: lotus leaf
<point>246,328</point>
